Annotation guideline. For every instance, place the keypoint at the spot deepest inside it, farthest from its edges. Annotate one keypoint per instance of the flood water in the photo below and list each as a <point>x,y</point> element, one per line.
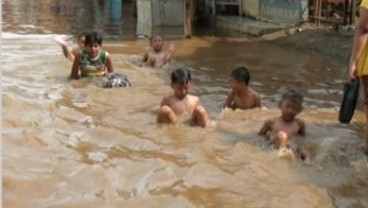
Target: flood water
<point>74,144</point>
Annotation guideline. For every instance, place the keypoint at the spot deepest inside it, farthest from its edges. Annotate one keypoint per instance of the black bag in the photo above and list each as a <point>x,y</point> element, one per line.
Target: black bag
<point>349,101</point>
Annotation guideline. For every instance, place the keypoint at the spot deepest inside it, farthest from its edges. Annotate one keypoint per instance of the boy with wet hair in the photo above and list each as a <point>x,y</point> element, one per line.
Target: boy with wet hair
<point>92,61</point>
<point>284,127</point>
<point>241,95</point>
<point>155,56</point>
<point>181,105</point>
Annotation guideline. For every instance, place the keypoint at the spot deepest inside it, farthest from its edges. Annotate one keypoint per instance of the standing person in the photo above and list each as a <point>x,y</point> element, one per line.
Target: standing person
<point>92,61</point>
<point>68,52</point>
<point>181,105</point>
<point>241,96</point>
<point>359,60</point>
<point>154,55</point>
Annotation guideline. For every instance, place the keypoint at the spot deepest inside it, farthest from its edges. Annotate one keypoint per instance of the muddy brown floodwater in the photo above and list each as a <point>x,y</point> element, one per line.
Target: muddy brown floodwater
<point>74,144</point>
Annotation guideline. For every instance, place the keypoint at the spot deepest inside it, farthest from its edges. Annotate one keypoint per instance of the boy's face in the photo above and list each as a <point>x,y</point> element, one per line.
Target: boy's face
<point>157,44</point>
<point>181,90</point>
<point>81,42</point>
<point>235,84</point>
<point>289,109</point>
<point>93,49</point>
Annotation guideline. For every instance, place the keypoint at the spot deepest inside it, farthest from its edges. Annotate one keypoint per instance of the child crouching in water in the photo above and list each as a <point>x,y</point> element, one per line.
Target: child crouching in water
<point>92,61</point>
<point>68,52</point>
<point>281,129</point>
<point>154,55</point>
<point>242,96</point>
<point>182,105</point>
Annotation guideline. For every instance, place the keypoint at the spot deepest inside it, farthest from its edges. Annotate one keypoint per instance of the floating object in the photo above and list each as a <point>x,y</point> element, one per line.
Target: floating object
<point>349,101</point>
<point>117,80</point>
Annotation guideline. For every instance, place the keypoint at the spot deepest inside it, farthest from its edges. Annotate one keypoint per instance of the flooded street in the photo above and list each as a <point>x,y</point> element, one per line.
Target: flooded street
<point>73,144</point>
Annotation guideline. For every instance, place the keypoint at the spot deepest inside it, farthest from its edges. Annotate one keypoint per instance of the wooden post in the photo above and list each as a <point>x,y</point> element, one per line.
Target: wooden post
<point>353,11</point>
<point>346,12</point>
<point>316,9</point>
<point>134,8</point>
<point>189,11</point>
<point>319,15</point>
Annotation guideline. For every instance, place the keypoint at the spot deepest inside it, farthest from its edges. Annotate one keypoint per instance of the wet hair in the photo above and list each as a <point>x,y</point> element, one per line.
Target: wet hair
<point>81,35</point>
<point>241,74</point>
<point>93,37</point>
<point>154,36</point>
<point>294,96</point>
<point>180,76</point>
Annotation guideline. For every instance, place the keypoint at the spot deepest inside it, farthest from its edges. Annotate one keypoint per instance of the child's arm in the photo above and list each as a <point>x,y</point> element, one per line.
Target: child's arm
<point>301,127</point>
<point>65,48</point>
<point>75,68</point>
<point>266,127</point>
<point>164,101</point>
<point>170,53</point>
<point>145,55</point>
<point>258,101</point>
<point>109,65</point>
<point>228,100</point>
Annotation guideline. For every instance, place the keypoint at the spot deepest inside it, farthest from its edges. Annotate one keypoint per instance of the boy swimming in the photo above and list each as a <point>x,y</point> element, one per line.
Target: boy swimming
<point>68,52</point>
<point>281,129</point>
<point>92,61</point>
<point>241,95</point>
<point>181,105</point>
<point>155,56</point>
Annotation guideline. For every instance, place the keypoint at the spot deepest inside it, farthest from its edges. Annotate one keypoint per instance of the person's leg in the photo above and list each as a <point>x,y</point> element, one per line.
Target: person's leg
<point>200,116</point>
<point>364,95</point>
<point>280,140</point>
<point>366,130</point>
<point>166,115</point>
<point>304,154</point>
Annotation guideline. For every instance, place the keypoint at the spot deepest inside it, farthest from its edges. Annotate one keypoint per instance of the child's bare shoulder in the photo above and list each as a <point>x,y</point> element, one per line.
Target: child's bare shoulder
<point>272,121</point>
<point>167,100</point>
<point>300,122</point>
<point>254,93</point>
<point>193,97</point>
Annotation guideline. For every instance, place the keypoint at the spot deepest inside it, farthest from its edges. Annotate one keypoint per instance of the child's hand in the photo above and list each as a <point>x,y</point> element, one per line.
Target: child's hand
<point>172,47</point>
<point>59,40</point>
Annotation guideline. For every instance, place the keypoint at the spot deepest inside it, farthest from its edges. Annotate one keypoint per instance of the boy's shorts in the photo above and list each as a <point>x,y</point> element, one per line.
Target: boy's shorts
<point>364,89</point>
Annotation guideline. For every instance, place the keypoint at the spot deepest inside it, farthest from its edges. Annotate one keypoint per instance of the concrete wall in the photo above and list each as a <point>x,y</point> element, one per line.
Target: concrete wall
<point>144,12</point>
<point>288,12</point>
<point>160,12</point>
<point>250,8</point>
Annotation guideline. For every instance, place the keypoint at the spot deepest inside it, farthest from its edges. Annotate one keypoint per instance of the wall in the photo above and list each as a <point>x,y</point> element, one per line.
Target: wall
<point>250,8</point>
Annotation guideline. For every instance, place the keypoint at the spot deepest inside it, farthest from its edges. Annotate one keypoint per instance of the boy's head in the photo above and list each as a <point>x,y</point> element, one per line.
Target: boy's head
<point>93,38</point>
<point>93,43</point>
<point>291,104</point>
<point>157,42</point>
<point>240,76</point>
<point>181,82</point>
<point>81,40</point>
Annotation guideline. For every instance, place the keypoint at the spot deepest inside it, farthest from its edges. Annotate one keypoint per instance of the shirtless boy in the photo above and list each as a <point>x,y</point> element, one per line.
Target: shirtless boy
<point>284,127</point>
<point>155,56</point>
<point>181,105</point>
<point>241,95</point>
